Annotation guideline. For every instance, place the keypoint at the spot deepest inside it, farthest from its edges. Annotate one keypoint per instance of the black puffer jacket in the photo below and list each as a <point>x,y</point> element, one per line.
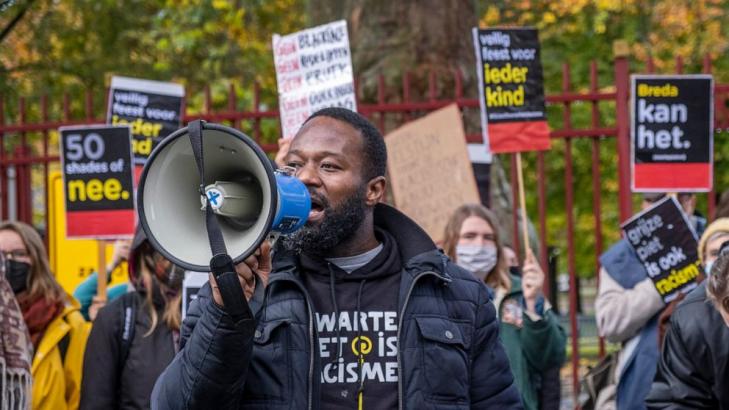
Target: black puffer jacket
<point>693,372</point>
<point>450,355</point>
<point>109,381</point>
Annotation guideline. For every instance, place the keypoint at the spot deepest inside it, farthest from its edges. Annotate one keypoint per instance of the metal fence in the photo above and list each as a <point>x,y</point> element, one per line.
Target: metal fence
<point>27,154</point>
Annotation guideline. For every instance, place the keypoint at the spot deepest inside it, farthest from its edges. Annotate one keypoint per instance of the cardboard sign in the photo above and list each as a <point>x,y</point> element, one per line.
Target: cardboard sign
<point>97,179</point>
<point>672,132</point>
<point>429,170</point>
<point>667,246</point>
<point>511,90</point>
<point>153,109</point>
<point>313,71</point>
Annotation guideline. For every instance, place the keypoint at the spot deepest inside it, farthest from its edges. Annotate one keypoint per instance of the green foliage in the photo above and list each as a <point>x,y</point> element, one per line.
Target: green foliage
<point>575,33</point>
<point>73,46</point>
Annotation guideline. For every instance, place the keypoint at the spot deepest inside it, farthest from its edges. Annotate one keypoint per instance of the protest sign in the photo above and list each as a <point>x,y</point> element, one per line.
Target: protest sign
<point>666,245</point>
<point>97,179</point>
<point>313,71</point>
<point>511,90</point>
<point>153,109</point>
<point>672,133</point>
<point>72,260</point>
<point>190,287</point>
<point>430,174</point>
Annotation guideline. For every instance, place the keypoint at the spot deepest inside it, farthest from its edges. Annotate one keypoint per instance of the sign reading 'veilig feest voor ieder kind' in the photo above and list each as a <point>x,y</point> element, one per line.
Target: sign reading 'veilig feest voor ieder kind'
<point>152,109</point>
<point>511,90</point>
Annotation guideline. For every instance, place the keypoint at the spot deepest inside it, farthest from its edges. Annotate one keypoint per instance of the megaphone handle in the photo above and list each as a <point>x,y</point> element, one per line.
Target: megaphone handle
<point>221,265</point>
<point>230,288</point>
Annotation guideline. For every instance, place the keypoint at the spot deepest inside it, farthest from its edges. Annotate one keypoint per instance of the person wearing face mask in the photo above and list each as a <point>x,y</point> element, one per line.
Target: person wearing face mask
<point>57,330</point>
<point>136,335</point>
<point>531,334</point>
<point>16,351</point>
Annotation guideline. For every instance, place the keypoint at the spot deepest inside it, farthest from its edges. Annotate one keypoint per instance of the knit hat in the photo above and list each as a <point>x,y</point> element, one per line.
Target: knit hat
<point>719,225</point>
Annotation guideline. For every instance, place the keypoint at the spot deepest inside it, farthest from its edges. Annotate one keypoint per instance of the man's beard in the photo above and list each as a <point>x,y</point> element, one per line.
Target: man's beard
<point>337,225</point>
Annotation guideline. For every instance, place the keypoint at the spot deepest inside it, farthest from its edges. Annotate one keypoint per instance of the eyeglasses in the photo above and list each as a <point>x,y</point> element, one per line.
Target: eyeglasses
<point>15,254</point>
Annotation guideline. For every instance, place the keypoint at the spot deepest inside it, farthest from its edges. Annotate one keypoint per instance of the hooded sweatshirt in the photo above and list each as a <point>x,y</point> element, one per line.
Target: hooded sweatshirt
<point>356,319</point>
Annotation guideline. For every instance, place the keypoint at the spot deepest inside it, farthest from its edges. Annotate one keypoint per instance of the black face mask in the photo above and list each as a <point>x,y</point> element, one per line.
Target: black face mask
<point>17,275</point>
<point>515,270</point>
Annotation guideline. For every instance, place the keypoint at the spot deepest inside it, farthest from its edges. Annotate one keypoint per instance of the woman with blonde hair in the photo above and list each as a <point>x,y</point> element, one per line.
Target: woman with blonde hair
<point>136,335</point>
<point>533,339</point>
<point>57,330</point>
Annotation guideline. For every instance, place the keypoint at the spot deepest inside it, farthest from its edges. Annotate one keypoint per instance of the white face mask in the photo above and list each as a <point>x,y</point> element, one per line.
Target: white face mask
<point>708,266</point>
<point>478,259</point>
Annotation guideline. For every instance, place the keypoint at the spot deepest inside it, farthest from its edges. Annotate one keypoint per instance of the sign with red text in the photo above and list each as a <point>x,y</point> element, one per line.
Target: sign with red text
<point>511,90</point>
<point>313,71</point>
<point>672,133</point>
<point>152,109</point>
<point>98,182</point>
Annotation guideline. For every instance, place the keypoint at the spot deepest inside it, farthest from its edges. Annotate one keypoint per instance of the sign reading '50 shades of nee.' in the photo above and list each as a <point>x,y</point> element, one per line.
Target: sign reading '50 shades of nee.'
<point>97,178</point>
<point>672,132</point>
<point>313,71</point>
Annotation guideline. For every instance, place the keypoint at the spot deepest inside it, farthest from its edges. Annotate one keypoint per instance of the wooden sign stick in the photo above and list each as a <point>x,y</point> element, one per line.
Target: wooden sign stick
<point>522,205</point>
<point>101,272</point>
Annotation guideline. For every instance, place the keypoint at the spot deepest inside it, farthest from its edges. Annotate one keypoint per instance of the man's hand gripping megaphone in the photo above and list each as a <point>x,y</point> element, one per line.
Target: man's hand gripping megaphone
<point>253,269</point>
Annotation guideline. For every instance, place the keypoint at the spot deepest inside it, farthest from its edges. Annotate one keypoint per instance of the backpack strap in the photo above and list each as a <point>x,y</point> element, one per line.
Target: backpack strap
<point>126,330</point>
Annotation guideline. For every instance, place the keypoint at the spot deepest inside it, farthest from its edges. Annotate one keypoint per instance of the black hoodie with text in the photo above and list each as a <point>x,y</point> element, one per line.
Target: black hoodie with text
<point>356,319</point>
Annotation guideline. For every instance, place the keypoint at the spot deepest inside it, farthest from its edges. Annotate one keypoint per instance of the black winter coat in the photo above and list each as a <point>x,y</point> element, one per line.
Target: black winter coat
<point>450,355</point>
<point>693,372</point>
<point>107,382</point>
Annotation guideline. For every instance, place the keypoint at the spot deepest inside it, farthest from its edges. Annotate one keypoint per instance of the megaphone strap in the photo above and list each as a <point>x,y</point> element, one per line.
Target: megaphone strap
<point>221,264</point>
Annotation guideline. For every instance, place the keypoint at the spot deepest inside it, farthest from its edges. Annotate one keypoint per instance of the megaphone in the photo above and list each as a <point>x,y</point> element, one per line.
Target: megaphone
<point>249,198</point>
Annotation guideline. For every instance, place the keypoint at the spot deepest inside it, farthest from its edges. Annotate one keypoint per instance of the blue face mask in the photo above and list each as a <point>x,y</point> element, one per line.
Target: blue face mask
<point>708,266</point>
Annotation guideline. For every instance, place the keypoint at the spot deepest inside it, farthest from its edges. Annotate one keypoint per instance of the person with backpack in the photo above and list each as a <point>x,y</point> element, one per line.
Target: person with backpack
<point>57,330</point>
<point>136,335</point>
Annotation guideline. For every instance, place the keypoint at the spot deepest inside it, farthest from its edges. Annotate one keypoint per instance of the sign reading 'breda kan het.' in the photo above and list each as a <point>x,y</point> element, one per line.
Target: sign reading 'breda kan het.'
<point>672,133</point>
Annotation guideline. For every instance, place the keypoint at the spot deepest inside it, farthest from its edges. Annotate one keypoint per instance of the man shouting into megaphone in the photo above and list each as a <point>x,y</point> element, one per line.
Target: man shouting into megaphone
<point>358,309</point>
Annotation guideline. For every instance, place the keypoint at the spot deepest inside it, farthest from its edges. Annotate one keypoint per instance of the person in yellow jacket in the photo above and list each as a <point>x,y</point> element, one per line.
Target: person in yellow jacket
<point>57,329</point>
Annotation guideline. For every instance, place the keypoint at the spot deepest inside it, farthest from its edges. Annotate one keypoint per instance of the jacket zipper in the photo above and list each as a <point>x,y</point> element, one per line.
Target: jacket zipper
<point>399,329</point>
<point>311,336</point>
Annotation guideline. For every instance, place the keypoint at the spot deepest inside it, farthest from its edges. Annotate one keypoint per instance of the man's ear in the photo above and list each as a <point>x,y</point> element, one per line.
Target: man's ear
<point>376,189</point>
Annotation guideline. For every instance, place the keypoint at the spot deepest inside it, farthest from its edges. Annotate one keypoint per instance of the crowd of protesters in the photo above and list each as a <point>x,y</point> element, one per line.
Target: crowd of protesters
<point>471,324</point>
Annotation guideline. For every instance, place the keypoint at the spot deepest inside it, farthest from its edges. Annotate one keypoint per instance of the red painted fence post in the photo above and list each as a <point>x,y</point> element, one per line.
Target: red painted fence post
<point>622,116</point>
